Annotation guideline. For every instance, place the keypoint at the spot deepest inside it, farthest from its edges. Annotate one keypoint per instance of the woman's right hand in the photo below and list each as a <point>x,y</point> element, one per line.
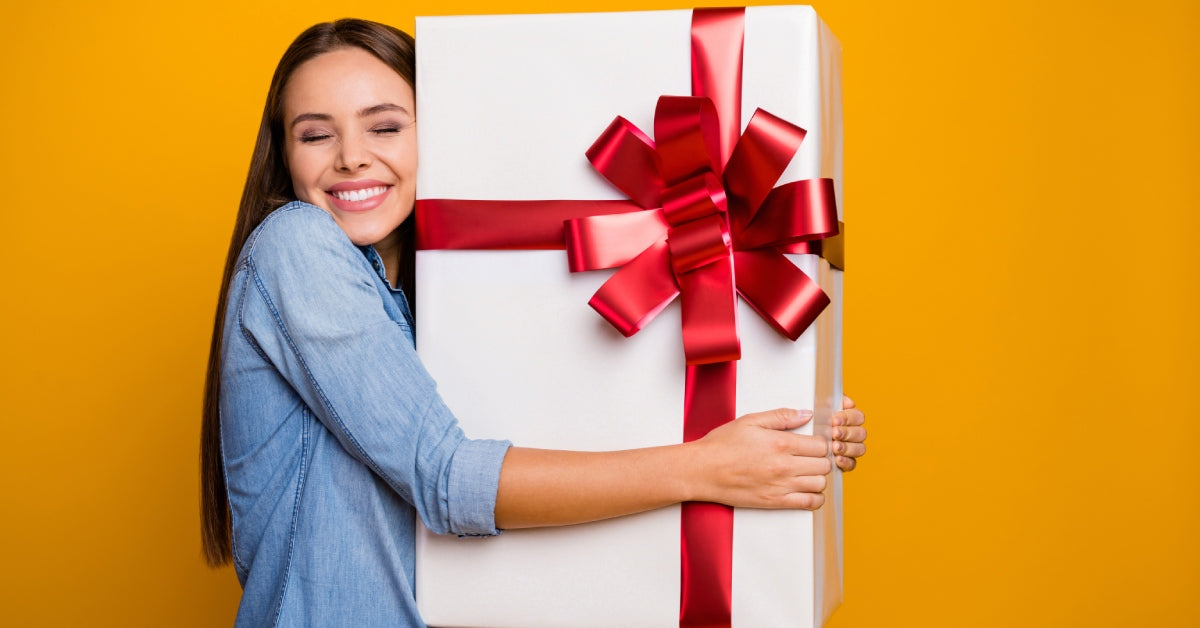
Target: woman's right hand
<point>755,462</point>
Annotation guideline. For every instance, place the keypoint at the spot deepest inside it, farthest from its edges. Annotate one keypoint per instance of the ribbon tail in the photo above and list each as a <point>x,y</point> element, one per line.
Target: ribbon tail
<point>706,529</point>
<point>782,294</point>
<point>634,295</point>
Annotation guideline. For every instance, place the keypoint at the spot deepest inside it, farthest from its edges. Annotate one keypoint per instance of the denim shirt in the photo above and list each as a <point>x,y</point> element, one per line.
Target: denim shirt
<point>333,435</point>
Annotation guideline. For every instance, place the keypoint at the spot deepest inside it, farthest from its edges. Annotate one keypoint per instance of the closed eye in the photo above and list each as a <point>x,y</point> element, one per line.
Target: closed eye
<point>391,127</point>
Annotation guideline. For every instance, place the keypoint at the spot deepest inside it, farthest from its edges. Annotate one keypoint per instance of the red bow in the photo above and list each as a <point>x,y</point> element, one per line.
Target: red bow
<point>700,221</point>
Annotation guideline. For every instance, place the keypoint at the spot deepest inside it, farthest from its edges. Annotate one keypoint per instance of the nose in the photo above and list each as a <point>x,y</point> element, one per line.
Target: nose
<point>352,155</point>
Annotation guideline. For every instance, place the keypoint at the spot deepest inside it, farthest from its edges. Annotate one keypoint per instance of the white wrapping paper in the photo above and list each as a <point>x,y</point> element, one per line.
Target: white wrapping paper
<point>507,106</point>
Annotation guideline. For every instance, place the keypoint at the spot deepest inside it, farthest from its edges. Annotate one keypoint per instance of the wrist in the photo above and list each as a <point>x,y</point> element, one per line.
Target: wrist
<point>690,479</point>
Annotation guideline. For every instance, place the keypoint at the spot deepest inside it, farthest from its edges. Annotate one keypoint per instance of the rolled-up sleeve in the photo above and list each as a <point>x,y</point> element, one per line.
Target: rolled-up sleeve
<point>321,322</point>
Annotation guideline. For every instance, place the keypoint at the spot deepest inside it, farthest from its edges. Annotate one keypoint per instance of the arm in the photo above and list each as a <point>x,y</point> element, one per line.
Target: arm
<point>314,310</point>
<point>750,462</point>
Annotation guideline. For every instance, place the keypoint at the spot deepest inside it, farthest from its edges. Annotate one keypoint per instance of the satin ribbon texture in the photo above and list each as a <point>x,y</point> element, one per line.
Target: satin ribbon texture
<point>700,221</point>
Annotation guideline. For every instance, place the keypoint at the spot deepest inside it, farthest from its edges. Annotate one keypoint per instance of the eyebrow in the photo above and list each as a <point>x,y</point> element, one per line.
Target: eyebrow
<point>362,113</point>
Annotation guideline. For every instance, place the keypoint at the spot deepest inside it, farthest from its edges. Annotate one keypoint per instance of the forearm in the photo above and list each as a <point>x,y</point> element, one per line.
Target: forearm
<point>541,487</point>
<point>750,462</point>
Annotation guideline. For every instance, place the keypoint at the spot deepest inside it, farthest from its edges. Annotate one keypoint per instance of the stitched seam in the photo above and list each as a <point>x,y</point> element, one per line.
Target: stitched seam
<point>443,497</point>
<point>245,329</point>
<point>233,544</point>
<point>333,413</point>
<point>237,559</point>
<point>300,482</point>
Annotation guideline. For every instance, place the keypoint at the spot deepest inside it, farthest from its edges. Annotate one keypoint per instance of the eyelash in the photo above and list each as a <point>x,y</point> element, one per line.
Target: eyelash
<point>383,130</point>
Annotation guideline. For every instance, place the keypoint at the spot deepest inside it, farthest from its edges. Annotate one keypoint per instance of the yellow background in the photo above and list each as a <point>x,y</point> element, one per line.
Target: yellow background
<point>1021,322</point>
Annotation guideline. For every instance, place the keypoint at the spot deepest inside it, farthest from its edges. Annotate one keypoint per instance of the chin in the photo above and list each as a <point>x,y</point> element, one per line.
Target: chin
<point>367,236</point>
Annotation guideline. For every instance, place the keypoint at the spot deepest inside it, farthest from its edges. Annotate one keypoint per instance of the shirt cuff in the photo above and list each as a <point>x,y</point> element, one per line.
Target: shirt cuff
<point>474,479</point>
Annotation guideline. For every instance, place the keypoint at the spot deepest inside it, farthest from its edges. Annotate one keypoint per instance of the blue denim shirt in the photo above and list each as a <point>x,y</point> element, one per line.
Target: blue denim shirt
<point>333,435</point>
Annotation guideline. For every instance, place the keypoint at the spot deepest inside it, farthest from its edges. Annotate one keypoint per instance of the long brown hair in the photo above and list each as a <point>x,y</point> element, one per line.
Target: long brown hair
<point>268,185</point>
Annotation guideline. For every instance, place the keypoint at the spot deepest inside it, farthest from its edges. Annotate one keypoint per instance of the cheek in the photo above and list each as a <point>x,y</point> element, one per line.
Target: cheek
<point>304,178</point>
<point>303,194</point>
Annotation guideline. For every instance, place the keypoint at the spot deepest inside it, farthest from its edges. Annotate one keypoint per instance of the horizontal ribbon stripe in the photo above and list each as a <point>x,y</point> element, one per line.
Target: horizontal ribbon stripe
<point>500,225</point>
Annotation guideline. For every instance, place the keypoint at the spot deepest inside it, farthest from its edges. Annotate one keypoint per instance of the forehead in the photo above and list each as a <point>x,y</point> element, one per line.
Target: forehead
<point>344,80</point>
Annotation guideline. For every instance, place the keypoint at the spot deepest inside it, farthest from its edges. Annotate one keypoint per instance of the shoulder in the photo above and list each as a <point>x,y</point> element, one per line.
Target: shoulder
<point>294,224</point>
<point>299,234</point>
<point>300,245</point>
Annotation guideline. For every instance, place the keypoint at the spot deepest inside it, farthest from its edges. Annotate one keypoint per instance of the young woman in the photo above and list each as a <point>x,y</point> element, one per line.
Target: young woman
<point>323,435</point>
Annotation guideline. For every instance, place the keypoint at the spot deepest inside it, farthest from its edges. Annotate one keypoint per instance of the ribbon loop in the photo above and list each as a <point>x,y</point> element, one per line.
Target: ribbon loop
<point>608,241</point>
<point>686,131</point>
<point>695,198</point>
<point>709,313</point>
<point>628,159</point>
<point>800,211</point>
<point>782,294</point>
<point>698,244</point>
<point>636,294</point>
<point>762,154</point>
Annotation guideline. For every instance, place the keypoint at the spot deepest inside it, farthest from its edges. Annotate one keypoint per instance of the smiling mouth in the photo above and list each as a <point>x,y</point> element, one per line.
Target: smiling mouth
<point>360,195</point>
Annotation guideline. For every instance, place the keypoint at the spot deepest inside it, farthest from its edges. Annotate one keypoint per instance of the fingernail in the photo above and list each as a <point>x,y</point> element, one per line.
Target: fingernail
<point>804,414</point>
<point>837,434</point>
<point>838,447</point>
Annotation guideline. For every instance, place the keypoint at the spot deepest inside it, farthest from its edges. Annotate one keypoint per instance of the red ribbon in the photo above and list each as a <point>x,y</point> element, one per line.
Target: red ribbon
<point>700,222</point>
<point>702,202</point>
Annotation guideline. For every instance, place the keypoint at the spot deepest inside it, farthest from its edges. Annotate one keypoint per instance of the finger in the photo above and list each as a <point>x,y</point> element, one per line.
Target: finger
<point>810,484</point>
<point>849,434</point>
<point>779,419</point>
<point>808,446</point>
<point>845,464</point>
<point>848,417</point>
<point>849,450</point>
<point>847,402</point>
<point>809,466</point>
<point>803,501</point>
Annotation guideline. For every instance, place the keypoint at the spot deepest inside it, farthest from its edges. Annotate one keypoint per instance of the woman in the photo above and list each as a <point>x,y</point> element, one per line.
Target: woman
<point>323,434</point>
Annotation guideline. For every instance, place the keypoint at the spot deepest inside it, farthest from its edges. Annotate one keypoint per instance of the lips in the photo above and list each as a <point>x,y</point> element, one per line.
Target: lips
<point>358,196</point>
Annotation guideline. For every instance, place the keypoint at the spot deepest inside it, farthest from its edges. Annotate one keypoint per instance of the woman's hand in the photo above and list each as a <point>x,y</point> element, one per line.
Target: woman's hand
<point>755,462</point>
<point>848,435</point>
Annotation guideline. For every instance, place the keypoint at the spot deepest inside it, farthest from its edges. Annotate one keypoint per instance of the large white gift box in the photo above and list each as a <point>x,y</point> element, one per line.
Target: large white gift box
<point>507,107</point>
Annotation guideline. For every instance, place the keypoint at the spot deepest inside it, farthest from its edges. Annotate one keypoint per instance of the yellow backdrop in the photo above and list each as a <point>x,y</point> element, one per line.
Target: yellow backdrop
<point>1022,302</point>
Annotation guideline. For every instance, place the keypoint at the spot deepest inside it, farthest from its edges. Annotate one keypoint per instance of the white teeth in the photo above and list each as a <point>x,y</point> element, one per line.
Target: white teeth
<point>360,195</point>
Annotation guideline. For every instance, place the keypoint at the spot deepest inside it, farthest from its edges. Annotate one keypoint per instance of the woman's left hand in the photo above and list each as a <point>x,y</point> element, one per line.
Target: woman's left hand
<point>849,435</point>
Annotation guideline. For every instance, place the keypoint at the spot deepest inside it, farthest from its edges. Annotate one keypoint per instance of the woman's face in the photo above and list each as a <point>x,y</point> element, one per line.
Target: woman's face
<point>351,143</point>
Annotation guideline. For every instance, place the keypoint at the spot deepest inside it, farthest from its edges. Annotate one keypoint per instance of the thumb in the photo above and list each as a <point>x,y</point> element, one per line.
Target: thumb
<point>779,419</point>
